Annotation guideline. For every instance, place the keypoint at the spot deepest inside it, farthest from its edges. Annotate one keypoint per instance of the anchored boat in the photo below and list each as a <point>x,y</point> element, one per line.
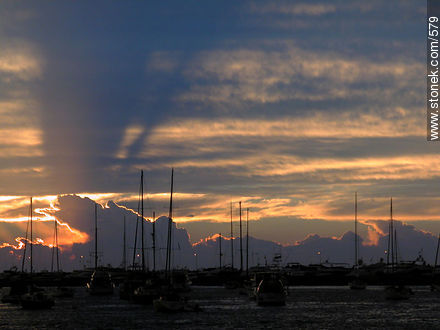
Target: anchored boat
<point>101,282</point>
<point>35,298</point>
<point>171,299</point>
<point>271,290</point>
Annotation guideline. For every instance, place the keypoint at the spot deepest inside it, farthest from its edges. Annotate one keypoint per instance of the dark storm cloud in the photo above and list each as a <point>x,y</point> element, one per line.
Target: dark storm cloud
<point>95,82</point>
<point>112,65</point>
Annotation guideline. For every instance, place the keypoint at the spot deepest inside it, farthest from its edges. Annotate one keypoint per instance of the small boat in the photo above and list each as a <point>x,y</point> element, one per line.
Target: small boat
<point>36,299</point>
<point>100,283</point>
<point>271,291</point>
<point>172,302</point>
<point>397,292</point>
<point>146,293</point>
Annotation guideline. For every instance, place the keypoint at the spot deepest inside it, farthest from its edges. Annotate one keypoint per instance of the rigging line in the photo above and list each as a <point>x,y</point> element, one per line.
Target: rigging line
<point>142,221</point>
<point>53,246</point>
<point>25,242</point>
<point>136,231</point>
<point>170,224</point>
<point>31,237</point>
<point>58,250</point>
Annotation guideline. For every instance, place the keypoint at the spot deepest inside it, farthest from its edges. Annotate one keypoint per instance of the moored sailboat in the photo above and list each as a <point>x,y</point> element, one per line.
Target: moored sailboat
<point>60,291</point>
<point>171,300</point>
<point>356,283</point>
<point>35,298</point>
<point>271,290</point>
<point>148,285</point>
<point>395,291</point>
<point>100,283</point>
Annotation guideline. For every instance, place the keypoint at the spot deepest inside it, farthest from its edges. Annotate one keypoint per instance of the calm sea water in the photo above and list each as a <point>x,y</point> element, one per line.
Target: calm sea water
<point>307,308</point>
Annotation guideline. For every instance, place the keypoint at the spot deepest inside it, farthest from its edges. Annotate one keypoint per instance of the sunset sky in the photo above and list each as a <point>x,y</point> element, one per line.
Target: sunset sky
<point>287,106</point>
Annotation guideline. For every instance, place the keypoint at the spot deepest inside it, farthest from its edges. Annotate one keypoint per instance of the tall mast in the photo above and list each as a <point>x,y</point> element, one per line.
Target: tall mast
<point>356,257</point>
<point>388,244</point>
<point>55,248</point>
<point>391,234</point>
<point>247,241</point>
<point>31,236</point>
<point>154,241</point>
<point>170,224</point>
<point>124,256</point>
<point>56,242</point>
<point>26,241</point>
<point>436,252</point>
<point>134,265</point>
<point>96,235</point>
<point>232,242</point>
<point>142,220</point>
<point>220,249</point>
<point>241,242</point>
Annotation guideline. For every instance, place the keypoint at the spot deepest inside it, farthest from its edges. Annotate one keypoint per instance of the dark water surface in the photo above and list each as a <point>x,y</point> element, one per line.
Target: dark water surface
<point>307,308</point>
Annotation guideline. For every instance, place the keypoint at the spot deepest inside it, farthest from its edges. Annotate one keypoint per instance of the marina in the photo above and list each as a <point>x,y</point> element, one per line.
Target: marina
<point>317,307</point>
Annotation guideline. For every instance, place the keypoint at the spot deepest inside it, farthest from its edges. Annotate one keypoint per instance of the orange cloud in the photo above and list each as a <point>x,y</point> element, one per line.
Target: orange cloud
<point>26,144</point>
<point>374,233</point>
<point>271,161</point>
<point>21,61</point>
<point>44,220</point>
<point>317,125</point>
<point>214,237</point>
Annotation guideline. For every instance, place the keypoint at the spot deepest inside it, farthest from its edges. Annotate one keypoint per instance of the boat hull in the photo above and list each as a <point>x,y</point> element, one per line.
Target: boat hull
<point>100,284</point>
<point>99,291</point>
<point>271,299</point>
<point>168,306</point>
